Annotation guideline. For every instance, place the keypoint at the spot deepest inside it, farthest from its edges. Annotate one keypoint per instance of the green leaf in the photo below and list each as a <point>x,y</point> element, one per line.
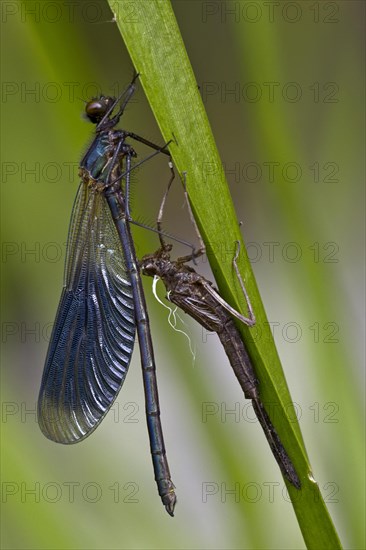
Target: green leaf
<point>153,40</point>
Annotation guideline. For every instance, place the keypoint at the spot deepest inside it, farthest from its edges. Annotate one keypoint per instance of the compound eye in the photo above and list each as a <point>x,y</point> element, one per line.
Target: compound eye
<point>95,108</point>
<point>98,107</point>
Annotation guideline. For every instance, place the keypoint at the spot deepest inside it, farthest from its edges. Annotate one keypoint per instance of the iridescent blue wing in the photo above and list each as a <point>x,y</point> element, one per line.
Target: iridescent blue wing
<point>94,332</point>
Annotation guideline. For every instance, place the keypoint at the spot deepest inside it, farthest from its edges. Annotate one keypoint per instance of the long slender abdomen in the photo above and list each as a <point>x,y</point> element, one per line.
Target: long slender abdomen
<point>244,372</point>
<point>239,359</point>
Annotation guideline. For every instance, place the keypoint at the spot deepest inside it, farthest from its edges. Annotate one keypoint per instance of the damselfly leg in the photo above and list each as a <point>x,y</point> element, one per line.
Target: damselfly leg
<point>197,252</point>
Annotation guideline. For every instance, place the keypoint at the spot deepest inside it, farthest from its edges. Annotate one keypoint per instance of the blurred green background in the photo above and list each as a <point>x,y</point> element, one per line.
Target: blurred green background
<point>283,85</point>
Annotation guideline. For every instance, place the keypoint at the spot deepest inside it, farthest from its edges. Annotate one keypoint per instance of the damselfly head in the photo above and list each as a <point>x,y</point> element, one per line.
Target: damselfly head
<point>98,107</point>
<point>158,263</point>
<point>148,265</point>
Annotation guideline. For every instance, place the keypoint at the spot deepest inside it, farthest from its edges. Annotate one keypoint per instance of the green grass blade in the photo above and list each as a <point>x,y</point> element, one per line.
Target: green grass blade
<point>153,39</point>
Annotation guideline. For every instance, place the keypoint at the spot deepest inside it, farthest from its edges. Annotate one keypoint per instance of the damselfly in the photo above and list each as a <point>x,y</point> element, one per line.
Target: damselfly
<point>102,301</point>
<point>197,296</point>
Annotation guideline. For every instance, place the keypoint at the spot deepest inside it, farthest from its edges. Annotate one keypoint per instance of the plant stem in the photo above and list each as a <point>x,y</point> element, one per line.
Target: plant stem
<point>154,42</point>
